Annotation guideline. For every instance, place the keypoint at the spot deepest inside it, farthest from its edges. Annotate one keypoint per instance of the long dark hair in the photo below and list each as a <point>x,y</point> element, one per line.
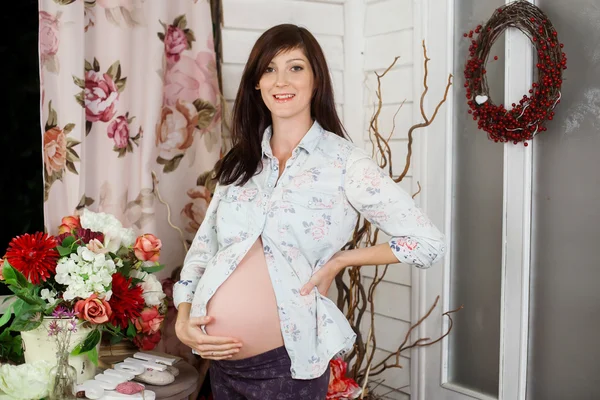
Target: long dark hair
<point>250,114</point>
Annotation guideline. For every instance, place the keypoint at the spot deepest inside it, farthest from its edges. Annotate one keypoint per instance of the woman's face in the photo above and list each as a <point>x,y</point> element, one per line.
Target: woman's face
<point>286,86</point>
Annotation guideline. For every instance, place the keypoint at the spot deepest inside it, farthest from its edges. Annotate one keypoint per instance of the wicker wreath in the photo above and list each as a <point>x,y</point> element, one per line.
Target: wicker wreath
<point>527,118</point>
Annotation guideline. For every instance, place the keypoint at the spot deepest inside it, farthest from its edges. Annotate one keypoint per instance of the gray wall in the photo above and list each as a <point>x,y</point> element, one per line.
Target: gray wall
<point>564,341</point>
<point>474,345</point>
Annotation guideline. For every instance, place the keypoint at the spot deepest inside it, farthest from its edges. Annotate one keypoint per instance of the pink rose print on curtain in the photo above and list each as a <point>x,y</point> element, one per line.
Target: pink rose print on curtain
<point>100,92</point>
<point>176,38</point>
<point>175,130</point>
<point>57,150</point>
<point>128,12</point>
<point>89,13</point>
<point>188,82</point>
<point>119,130</point>
<point>49,40</point>
<point>196,209</point>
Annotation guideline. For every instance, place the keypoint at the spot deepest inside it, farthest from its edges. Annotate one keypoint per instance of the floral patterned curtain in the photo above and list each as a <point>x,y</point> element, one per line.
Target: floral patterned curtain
<point>131,114</point>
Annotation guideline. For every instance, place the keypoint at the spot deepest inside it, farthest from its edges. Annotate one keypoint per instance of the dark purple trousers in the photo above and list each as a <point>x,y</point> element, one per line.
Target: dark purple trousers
<point>265,376</point>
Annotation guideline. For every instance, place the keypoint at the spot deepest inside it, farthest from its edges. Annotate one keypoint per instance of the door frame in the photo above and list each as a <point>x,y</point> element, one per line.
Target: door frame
<point>434,22</point>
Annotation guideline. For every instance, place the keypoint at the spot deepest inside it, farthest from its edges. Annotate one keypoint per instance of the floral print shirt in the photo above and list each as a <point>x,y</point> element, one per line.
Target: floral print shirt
<point>304,217</point>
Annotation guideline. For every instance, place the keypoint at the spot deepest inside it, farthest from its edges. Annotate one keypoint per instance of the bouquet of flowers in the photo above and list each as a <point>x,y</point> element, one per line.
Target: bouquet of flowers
<point>96,270</point>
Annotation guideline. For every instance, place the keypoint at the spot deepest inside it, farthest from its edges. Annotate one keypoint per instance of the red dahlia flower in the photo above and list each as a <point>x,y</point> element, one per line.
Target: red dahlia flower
<point>34,256</point>
<point>126,302</point>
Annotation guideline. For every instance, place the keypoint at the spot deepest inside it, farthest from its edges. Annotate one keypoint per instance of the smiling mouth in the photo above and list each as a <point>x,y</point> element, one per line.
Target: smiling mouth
<point>283,98</point>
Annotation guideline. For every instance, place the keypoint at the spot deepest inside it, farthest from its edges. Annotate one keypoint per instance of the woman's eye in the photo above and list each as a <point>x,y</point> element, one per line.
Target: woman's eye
<point>269,69</point>
<point>297,68</point>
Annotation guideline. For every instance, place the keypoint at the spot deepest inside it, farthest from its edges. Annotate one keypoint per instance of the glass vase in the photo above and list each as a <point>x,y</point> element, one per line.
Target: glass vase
<point>63,379</point>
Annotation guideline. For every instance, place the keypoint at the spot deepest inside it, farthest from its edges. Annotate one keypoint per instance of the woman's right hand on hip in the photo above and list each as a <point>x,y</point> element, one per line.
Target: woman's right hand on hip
<point>190,333</point>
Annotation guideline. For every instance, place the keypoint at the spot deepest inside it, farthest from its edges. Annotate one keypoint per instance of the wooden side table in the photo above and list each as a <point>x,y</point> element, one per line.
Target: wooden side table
<point>185,385</point>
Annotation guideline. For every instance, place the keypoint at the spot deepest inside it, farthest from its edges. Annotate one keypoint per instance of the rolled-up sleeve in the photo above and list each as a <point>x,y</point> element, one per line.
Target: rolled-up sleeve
<point>203,248</point>
<point>380,200</point>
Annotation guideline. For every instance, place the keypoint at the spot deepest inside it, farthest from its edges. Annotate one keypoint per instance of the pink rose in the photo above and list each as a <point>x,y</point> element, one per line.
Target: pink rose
<point>48,31</point>
<point>149,321</point>
<point>1,267</point>
<point>191,79</point>
<point>341,387</point>
<point>119,131</point>
<point>196,210</point>
<point>147,342</point>
<point>93,309</point>
<point>68,224</point>
<point>55,150</point>
<point>100,96</point>
<point>175,43</point>
<point>147,247</point>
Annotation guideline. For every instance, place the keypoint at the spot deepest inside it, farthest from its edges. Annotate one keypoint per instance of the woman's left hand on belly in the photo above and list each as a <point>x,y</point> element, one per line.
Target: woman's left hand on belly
<point>323,278</point>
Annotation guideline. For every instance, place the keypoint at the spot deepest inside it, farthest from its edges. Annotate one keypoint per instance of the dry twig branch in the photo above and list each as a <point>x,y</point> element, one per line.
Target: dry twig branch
<point>355,294</point>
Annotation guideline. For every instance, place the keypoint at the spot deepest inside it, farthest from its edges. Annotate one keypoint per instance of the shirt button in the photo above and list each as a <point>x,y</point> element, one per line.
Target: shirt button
<point>270,185</point>
<point>275,167</point>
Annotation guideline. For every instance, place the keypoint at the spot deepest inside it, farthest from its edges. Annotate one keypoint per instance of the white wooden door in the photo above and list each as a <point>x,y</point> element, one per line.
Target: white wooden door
<point>432,367</point>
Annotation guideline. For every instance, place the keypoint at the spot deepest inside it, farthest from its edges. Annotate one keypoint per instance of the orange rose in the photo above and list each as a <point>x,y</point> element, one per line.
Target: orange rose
<point>149,321</point>
<point>1,266</point>
<point>147,247</point>
<point>68,224</point>
<point>55,150</point>
<point>93,309</point>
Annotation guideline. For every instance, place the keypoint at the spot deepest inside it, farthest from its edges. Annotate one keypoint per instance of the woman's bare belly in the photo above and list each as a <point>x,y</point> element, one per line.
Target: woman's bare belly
<point>244,306</point>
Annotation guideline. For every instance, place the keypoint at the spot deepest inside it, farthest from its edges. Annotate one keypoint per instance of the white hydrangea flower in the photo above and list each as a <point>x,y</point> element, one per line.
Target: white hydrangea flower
<point>25,381</point>
<point>48,295</point>
<point>85,273</point>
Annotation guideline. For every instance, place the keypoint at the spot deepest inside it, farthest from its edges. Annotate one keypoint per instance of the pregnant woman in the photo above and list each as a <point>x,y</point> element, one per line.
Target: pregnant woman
<point>252,290</point>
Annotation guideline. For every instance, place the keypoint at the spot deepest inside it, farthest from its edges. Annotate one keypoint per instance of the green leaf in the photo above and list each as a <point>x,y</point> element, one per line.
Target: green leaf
<point>131,332</point>
<point>173,164</point>
<point>71,167</point>
<point>72,142</point>
<point>79,82</point>
<point>68,241</point>
<point>88,66</point>
<point>89,343</point>
<point>113,69</point>
<point>189,35</point>
<point>180,22</point>
<point>161,160</point>
<point>115,339</point>
<point>153,269</point>
<point>26,322</point>
<point>72,155</point>
<point>135,281</point>
<point>96,65</point>
<point>68,128</point>
<point>63,251</point>
<point>93,356</point>
<point>161,36</point>
<point>121,84</point>
<point>52,117</point>
<point>88,127</point>
<point>29,296</point>
<point>64,2</point>
<point>6,316</point>
<point>14,277</point>
<point>79,98</point>
<point>84,202</point>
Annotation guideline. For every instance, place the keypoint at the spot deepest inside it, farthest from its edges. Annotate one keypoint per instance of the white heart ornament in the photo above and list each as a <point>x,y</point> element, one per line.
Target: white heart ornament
<point>481,99</point>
